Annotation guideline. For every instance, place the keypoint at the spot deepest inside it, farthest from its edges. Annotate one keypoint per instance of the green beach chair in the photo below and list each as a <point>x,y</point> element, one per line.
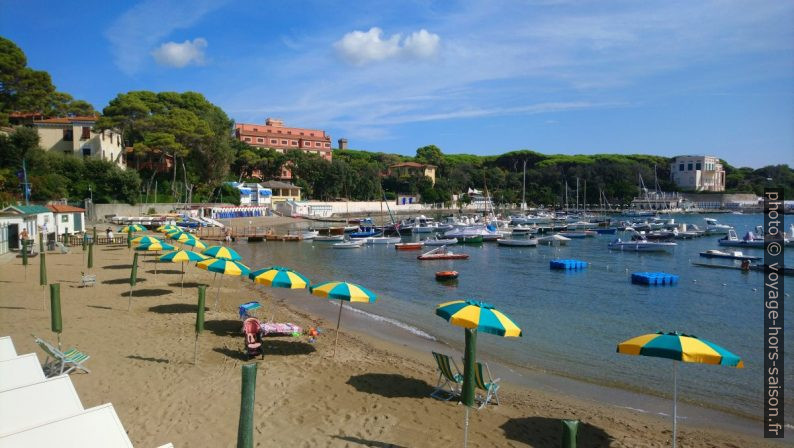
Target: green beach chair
<point>62,362</point>
<point>491,388</point>
<point>449,381</point>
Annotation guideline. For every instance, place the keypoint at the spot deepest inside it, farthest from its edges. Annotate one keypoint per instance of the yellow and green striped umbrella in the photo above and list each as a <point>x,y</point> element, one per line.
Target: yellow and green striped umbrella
<point>348,292</point>
<point>155,246</point>
<point>181,256</point>
<point>222,252</point>
<point>132,228</point>
<point>279,277</point>
<point>342,291</point>
<point>225,267</point>
<point>195,243</point>
<point>166,228</point>
<point>146,240</point>
<point>475,316</point>
<point>679,347</point>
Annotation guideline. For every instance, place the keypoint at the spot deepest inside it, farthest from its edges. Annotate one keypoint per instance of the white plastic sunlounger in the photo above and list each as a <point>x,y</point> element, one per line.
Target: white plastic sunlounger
<point>7,349</point>
<point>20,371</point>
<point>37,404</point>
<point>98,427</point>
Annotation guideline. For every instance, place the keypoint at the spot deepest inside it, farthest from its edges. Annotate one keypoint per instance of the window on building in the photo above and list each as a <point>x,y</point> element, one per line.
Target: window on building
<point>317,144</point>
<point>85,133</point>
<point>293,142</point>
<point>256,129</point>
<point>283,142</point>
<point>248,139</point>
<point>87,151</point>
<point>307,144</point>
<point>273,141</point>
<point>68,135</point>
<point>327,145</point>
<point>260,140</point>
<point>680,167</point>
<point>697,166</point>
<point>689,166</point>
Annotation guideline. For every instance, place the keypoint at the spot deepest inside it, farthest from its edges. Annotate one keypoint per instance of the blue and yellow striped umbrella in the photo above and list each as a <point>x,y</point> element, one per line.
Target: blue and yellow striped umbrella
<point>475,316</point>
<point>679,347</point>
<point>132,228</point>
<point>167,228</point>
<point>155,246</point>
<point>342,291</point>
<point>222,252</point>
<point>279,277</point>
<point>181,256</point>
<point>146,240</point>
<point>225,267</point>
<point>195,243</point>
<point>478,316</point>
<point>348,292</point>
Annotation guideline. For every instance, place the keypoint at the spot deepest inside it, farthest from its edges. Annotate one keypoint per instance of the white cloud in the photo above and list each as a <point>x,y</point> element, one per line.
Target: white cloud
<point>134,34</point>
<point>172,54</point>
<point>359,47</point>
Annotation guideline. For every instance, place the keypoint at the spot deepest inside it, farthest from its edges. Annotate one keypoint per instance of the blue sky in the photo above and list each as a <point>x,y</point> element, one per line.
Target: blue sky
<point>482,77</point>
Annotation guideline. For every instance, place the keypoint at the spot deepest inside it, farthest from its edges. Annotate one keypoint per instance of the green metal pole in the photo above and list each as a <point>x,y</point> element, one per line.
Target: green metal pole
<point>133,278</point>
<point>245,430</point>
<point>91,255</point>
<point>94,240</point>
<point>202,295</point>
<point>467,395</point>
<point>56,323</point>
<point>569,432</point>
<point>42,264</point>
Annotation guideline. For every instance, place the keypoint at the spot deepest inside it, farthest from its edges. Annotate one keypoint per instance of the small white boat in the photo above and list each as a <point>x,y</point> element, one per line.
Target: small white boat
<point>309,235</point>
<point>640,245</point>
<point>749,240</point>
<point>523,229</point>
<point>329,238</point>
<point>733,255</point>
<point>529,242</point>
<point>383,240</point>
<point>715,228</point>
<point>439,241</point>
<point>348,244</point>
<point>554,240</point>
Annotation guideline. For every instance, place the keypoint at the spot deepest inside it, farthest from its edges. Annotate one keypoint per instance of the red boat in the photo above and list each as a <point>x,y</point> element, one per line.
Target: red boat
<point>441,253</point>
<point>446,275</point>
<point>409,246</point>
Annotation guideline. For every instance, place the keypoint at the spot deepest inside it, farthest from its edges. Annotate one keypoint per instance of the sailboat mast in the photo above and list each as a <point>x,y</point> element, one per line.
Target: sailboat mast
<point>584,196</point>
<point>524,189</point>
<point>577,195</point>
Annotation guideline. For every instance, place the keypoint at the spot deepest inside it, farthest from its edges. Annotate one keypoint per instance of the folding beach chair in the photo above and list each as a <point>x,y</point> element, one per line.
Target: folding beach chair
<point>449,381</point>
<point>87,279</point>
<point>62,362</point>
<point>490,388</point>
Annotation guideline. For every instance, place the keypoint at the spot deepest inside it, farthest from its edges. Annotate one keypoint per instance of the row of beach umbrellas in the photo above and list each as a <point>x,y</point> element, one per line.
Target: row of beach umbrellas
<point>474,316</point>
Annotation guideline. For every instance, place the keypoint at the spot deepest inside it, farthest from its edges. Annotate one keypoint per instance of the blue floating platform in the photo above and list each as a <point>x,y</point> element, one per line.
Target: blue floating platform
<point>567,264</point>
<point>654,278</point>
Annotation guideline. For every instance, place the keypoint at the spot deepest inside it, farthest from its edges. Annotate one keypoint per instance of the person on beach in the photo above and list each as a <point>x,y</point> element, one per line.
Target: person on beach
<point>23,236</point>
<point>109,233</point>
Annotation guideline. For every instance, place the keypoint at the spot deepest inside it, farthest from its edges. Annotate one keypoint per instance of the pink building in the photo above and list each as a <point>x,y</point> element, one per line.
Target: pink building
<point>273,134</point>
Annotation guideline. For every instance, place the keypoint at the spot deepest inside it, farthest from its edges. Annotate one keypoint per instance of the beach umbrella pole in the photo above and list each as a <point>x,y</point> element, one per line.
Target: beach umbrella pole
<point>467,395</point>
<point>245,429</point>
<point>202,294</point>
<point>218,293</point>
<point>675,401</point>
<point>338,320</point>
<point>182,288</point>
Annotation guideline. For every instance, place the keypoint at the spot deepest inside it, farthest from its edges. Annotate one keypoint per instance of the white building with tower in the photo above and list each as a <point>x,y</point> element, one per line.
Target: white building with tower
<point>698,173</point>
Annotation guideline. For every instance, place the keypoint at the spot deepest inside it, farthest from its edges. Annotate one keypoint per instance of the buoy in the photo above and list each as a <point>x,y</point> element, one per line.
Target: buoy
<point>446,275</point>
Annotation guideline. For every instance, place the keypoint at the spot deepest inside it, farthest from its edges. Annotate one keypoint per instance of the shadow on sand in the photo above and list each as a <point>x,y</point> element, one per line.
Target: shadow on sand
<point>176,308</point>
<point>151,292</point>
<point>100,307</point>
<point>234,354</point>
<point>122,281</point>
<point>227,327</point>
<point>188,285</point>
<point>286,347</point>
<point>546,431</point>
<point>143,358</point>
<point>369,443</point>
<point>117,266</point>
<point>165,271</point>
<point>391,385</point>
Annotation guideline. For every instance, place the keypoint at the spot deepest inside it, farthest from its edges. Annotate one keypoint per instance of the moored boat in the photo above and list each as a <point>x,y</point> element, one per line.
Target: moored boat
<point>383,240</point>
<point>749,240</point>
<point>554,240</point>
<point>439,241</point>
<point>733,255</point>
<point>329,238</point>
<point>446,275</point>
<point>473,239</point>
<point>529,242</point>
<point>348,244</point>
<point>409,246</point>
<point>441,253</point>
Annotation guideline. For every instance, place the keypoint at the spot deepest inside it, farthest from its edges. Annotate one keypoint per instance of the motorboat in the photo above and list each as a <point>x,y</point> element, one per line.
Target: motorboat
<point>606,231</point>
<point>383,240</point>
<point>348,244</point>
<point>554,240</point>
<point>441,253</point>
<point>578,234</point>
<point>715,228</point>
<point>749,240</point>
<point>409,246</point>
<point>523,229</point>
<point>309,234</point>
<point>529,242</point>
<point>660,235</point>
<point>733,255</point>
<point>473,239</point>
<point>435,241</point>
<point>329,238</point>
<point>639,243</point>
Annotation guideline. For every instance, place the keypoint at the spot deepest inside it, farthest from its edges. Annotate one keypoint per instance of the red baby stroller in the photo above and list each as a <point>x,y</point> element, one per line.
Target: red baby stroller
<point>253,337</point>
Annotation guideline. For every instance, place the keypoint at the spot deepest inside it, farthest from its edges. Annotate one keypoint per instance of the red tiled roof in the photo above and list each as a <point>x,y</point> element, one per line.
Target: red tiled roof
<point>66,120</point>
<point>58,208</point>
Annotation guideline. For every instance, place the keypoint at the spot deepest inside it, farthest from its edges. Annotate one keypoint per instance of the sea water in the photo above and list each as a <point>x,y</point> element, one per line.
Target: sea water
<point>572,321</point>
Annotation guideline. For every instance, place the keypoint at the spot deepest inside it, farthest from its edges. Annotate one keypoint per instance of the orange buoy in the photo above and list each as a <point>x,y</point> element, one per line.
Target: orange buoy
<point>446,275</point>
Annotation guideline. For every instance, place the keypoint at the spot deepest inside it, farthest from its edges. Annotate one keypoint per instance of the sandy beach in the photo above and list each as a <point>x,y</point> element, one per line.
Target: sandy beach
<point>375,393</point>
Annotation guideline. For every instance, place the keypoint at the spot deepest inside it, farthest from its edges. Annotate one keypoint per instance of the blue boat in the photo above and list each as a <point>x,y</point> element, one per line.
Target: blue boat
<point>366,229</point>
<point>610,231</point>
